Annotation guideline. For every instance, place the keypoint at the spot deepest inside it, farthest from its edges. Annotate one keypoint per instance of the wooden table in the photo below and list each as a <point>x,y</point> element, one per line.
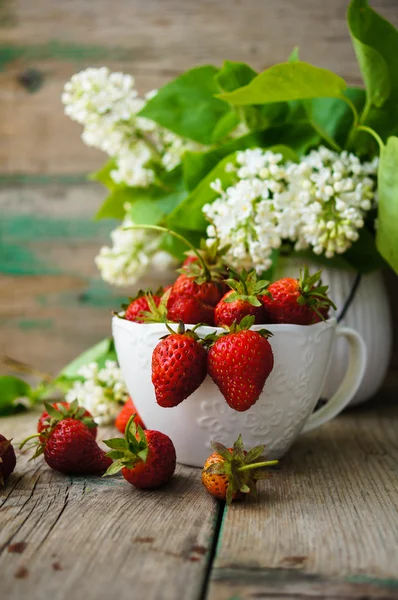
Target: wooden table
<point>325,526</point>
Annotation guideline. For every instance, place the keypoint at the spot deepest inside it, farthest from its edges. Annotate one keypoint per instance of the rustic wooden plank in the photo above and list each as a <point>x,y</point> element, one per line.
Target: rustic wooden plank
<point>326,525</point>
<point>153,40</point>
<point>87,537</point>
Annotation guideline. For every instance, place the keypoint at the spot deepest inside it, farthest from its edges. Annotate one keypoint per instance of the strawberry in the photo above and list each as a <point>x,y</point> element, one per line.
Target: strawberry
<point>63,410</point>
<point>124,416</point>
<point>68,444</point>
<point>147,459</point>
<point>242,300</point>
<point>231,473</point>
<point>178,366</point>
<point>199,287</point>
<point>239,362</point>
<point>189,310</point>
<point>140,304</point>
<point>302,301</point>
<point>7,459</point>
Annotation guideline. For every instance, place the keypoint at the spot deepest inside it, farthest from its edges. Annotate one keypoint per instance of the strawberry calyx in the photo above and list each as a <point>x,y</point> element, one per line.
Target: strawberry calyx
<point>246,287</point>
<point>156,313</point>
<point>212,256</point>
<point>56,414</point>
<point>182,331</point>
<point>127,451</point>
<point>245,324</point>
<point>242,469</point>
<point>313,293</point>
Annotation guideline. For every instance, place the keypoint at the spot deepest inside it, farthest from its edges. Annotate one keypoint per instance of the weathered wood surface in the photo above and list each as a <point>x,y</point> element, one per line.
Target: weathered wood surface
<point>328,525</point>
<point>86,537</point>
<point>154,40</point>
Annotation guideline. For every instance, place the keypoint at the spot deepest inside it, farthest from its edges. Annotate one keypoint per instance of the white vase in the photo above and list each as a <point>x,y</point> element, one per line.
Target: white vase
<point>369,314</point>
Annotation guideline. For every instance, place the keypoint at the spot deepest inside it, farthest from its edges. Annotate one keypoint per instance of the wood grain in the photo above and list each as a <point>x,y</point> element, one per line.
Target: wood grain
<point>326,525</point>
<point>86,537</point>
<point>154,40</point>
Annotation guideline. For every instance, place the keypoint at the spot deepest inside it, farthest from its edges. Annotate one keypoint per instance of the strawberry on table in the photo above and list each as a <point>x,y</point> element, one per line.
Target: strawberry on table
<point>147,459</point>
<point>243,299</point>
<point>7,459</point>
<point>63,410</point>
<point>239,361</point>
<point>179,366</point>
<point>124,416</point>
<point>68,445</point>
<point>231,473</point>
<point>302,301</point>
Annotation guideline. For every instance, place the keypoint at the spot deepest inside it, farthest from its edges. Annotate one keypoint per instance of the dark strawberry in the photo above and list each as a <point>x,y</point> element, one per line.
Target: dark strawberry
<point>178,366</point>
<point>62,410</point>
<point>124,416</point>
<point>68,444</point>
<point>231,473</point>
<point>239,363</point>
<point>7,459</point>
<point>302,301</point>
<point>243,299</point>
<point>147,459</point>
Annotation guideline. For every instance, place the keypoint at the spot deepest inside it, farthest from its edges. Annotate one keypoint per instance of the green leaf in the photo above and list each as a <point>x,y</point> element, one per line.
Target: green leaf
<point>189,212</point>
<point>177,248</point>
<point>225,125</point>
<point>387,230</point>
<point>114,468</point>
<point>234,75</point>
<point>294,55</point>
<point>98,352</point>
<point>187,105</point>
<point>221,450</point>
<point>103,175</point>
<point>375,42</point>
<point>367,46</point>
<point>113,206</point>
<point>288,81</point>
<point>12,388</point>
<point>254,454</point>
<point>363,255</point>
<point>116,443</point>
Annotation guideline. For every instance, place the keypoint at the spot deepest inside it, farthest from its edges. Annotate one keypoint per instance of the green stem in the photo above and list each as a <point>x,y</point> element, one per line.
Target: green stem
<point>179,237</point>
<point>373,133</point>
<point>267,463</point>
<point>354,110</point>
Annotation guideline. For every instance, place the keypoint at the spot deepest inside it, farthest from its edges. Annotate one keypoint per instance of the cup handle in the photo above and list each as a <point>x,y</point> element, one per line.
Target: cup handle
<point>349,385</point>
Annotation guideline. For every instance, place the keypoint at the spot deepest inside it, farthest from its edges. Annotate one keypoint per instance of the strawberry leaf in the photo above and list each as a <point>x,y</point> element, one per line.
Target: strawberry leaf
<point>254,454</point>
<point>221,450</point>
<point>116,443</point>
<point>114,468</point>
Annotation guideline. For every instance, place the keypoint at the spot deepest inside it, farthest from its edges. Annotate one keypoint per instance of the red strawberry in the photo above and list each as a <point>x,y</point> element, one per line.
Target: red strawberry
<point>178,366</point>
<point>68,444</point>
<point>242,300</point>
<point>63,410</point>
<point>7,459</point>
<point>239,363</point>
<point>124,416</point>
<point>139,304</point>
<point>230,473</point>
<point>189,310</point>
<point>302,301</point>
<point>147,459</point>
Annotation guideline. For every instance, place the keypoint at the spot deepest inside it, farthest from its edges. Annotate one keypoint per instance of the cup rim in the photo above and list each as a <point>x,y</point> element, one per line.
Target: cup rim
<point>282,327</point>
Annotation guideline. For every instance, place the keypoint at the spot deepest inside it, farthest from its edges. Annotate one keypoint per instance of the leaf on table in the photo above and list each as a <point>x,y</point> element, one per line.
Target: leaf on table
<point>387,229</point>
<point>288,81</point>
<point>12,388</point>
<point>188,106</point>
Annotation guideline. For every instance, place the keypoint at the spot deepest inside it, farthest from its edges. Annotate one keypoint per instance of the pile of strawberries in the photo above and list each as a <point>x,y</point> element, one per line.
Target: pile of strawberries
<point>238,359</point>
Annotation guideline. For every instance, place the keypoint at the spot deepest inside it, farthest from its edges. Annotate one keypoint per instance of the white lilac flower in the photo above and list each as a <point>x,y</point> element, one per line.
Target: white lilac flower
<point>107,105</point>
<point>334,192</point>
<point>130,255</point>
<point>102,391</point>
<point>252,216</point>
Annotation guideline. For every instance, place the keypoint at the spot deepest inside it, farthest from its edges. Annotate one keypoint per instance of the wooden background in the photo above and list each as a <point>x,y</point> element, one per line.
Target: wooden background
<point>52,303</point>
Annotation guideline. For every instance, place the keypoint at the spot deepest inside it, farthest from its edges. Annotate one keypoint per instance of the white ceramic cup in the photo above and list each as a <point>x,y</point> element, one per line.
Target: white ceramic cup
<point>284,409</point>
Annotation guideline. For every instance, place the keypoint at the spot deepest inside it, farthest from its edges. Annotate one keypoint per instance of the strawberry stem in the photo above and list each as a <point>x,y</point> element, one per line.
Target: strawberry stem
<point>266,463</point>
<point>179,237</point>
